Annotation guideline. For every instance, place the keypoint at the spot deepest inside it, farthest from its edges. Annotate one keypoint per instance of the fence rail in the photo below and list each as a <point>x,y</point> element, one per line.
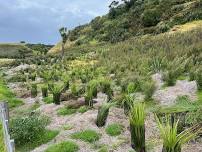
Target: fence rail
<point>4,119</point>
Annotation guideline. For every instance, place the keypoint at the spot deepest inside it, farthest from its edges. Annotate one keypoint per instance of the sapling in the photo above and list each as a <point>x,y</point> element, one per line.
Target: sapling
<point>137,127</point>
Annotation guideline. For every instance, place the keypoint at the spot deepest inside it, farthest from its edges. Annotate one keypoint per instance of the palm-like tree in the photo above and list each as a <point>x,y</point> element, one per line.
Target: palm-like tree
<point>64,34</point>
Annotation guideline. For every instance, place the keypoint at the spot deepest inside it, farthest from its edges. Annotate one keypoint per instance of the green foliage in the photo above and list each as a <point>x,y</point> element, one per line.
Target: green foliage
<point>131,88</point>
<point>137,127</point>
<point>44,90</point>
<point>83,109</point>
<point>44,138</point>
<point>74,90</point>
<point>127,103</point>
<point>7,95</point>
<point>12,51</point>
<point>114,129</point>
<point>102,115</point>
<point>87,135</point>
<point>171,140</point>
<point>56,90</point>
<point>28,129</point>
<point>151,17</point>
<point>66,111</point>
<point>67,146</point>
<point>34,90</point>
<point>199,79</point>
<point>148,89</point>
<point>2,144</point>
<point>106,88</point>
<point>48,100</point>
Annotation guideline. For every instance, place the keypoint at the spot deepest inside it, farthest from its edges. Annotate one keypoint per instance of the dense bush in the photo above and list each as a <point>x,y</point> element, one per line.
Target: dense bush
<point>151,17</point>
<point>28,129</point>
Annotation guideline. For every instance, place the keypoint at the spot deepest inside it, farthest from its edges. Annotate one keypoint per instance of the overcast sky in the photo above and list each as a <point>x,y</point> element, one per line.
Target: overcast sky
<point>38,21</point>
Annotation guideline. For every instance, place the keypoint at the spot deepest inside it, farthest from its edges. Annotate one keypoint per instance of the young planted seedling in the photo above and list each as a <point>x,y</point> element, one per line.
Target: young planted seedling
<point>103,112</point>
<point>137,127</point>
<point>33,90</point>
<point>172,141</point>
<point>56,90</point>
<point>44,90</point>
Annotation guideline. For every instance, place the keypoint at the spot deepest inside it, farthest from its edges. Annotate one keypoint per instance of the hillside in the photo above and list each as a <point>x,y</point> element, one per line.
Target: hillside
<point>134,18</point>
<point>12,50</point>
<point>129,81</point>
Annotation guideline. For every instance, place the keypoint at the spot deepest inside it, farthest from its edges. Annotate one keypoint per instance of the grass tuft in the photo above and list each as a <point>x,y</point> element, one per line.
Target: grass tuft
<point>114,129</point>
<point>87,136</point>
<point>67,146</point>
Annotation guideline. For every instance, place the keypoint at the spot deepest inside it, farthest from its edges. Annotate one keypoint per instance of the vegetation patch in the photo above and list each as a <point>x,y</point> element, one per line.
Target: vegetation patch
<point>7,95</point>
<point>2,145</point>
<point>67,146</point>
<point>48,100</point>
<point>114,129</point>
<point>66,111</point>
<point>87,136</point>
<point>29,132</point>
<point>47,136</point>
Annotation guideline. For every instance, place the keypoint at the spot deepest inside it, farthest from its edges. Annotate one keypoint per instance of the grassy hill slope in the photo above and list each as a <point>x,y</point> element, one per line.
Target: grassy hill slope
<point>135,18</point>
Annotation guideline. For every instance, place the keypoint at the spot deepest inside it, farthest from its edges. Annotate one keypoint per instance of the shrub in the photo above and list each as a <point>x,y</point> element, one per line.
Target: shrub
<point>137,127</point>
<point>103,112</point>
<point>151,17</point>
<point>67,146</point>
<point>33,90</point>
<point>86,135</point>
<point>114,129</point>
<point>28,129</point>
<point>171,140</point>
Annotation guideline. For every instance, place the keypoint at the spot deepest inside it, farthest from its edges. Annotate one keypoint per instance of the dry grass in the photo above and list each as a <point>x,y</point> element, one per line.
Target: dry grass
<point>186,27</point>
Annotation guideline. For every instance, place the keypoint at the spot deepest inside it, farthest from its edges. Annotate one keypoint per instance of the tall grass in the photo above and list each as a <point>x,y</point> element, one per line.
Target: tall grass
<point>137,127</point>
<point>172,141</point>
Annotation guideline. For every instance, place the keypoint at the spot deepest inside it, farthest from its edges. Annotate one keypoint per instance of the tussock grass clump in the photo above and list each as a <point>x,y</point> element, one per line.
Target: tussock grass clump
<point>67,146</point>
<point>172,141</point>
<point>33,90</point>
<point>114,129</point>
<point>56,90</point>
<point>44,90</point>
<point>137,127</point>
<point>127,103</point>
<point>86,135</point>
<point>103,112</point>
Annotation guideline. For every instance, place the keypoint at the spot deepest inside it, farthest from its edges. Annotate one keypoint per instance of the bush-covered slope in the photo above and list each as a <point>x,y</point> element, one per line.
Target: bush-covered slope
<point>135,18</point>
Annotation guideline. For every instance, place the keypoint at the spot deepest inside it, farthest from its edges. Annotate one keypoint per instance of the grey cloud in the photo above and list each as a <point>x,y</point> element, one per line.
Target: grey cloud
<point>38,21</point>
